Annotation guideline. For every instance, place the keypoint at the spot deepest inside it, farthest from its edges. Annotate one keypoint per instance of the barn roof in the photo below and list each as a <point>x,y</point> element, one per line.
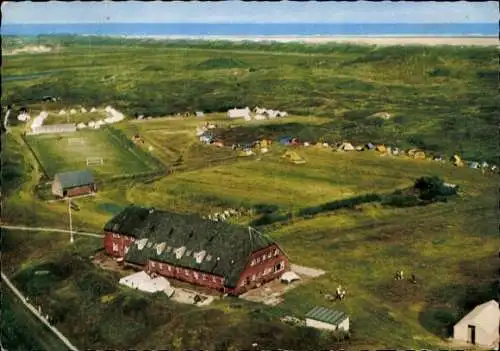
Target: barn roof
<point>326,315</point>
<point>187,240</point>
<point>74,179</point>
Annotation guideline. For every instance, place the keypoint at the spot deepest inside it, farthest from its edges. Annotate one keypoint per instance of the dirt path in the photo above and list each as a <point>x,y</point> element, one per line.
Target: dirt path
<point>45,229</point>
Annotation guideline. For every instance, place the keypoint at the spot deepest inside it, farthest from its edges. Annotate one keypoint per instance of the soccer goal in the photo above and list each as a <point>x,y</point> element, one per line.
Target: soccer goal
<point>76,141</point>
<point>94,161</point>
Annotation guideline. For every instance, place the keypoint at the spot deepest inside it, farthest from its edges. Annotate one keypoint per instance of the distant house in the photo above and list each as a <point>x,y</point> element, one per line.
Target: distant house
<point>74,183</point>
<point>217,255</point>
<point>239,113</point>
<point>480,326</point>
<point>325,318</point>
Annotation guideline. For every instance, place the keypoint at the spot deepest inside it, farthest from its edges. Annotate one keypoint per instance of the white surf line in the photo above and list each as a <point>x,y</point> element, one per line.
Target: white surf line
<point>45,229</point>
<point>37,314</point>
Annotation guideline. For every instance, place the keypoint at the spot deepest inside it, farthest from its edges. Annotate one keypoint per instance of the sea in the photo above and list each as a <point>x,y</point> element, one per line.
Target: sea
<point>256,29</point>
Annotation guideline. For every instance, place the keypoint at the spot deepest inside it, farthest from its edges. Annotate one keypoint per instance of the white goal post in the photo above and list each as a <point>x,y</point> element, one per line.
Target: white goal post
<point>94,161</point>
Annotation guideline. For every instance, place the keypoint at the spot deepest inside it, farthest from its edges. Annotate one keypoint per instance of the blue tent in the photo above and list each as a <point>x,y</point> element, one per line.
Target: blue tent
<point>285,140</point>
<point>370,146</point>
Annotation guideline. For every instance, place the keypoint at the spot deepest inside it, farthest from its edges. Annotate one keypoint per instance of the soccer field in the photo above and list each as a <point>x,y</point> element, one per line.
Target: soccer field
<point>99,150</point>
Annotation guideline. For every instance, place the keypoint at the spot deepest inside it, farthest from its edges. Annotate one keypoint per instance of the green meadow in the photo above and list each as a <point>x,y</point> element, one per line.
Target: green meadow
<point>442,99</point>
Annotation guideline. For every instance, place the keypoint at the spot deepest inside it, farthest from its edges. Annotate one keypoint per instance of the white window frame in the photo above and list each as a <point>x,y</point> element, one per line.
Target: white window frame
<point>115,247</point>
<point>253,277</point>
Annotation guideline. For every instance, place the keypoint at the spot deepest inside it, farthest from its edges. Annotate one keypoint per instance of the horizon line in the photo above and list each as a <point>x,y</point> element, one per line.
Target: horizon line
<point>249,23</point>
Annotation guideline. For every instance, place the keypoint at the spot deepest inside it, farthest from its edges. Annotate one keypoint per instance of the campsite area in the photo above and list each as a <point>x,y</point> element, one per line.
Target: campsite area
<point>451,245</point>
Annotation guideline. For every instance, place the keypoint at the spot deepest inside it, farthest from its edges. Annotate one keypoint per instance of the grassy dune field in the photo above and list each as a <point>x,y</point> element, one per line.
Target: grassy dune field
<point>441,99</point>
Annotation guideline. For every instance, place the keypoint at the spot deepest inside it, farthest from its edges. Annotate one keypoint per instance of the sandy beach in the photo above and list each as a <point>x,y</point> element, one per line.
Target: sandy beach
<point>365,40</point>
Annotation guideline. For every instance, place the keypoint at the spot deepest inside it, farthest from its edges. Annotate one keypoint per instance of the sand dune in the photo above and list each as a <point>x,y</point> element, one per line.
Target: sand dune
<point>367,40</point>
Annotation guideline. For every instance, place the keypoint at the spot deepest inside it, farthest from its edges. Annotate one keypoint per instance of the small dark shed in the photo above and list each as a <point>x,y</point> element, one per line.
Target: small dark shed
<point>73,183</point>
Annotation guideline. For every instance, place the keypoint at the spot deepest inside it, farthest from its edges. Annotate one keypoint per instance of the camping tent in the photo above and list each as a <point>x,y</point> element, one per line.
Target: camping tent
<point>293,157</point>
<point>457,161</point>
<point>346,147</point>
<point>289,277</point>
<point>416,154</point>
<point>370,146</point>
<point>480,326</point>
<point>380,148</point>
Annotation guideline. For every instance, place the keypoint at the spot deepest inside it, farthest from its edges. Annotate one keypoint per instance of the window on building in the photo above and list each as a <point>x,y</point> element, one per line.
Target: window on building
<point>195,275</point>
<point>276,252</point>
<point>204,276</point>
<point>169,268</point>
<point>153,264</point>
<point>214,280</point>
<point>186,272</point>
<point>258,260</point>
<point>188,253</point>
<point>252,263</point>
<point>253,277</point>
<point>161,265</point>
<point>269,255</point>
<point>115,247</point>
<point>263,258</point>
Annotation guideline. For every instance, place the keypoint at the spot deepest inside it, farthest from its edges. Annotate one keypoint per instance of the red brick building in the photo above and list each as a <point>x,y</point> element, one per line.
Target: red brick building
<point>222,256</point>
<point>75,183</point>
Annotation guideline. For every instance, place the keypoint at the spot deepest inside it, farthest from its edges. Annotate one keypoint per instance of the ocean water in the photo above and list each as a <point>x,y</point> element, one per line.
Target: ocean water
<point>256,29</point>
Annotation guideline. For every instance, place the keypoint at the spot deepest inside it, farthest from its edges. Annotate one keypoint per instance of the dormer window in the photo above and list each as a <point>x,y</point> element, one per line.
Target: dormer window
<point>160,247</point>
<point>188,253</point>
<point>179,252</point>
<point>141,243</point>
<point>199,256</point>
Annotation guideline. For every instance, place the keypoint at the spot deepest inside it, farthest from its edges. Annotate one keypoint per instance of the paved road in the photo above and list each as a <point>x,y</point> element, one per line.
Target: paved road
<point>45,229</point>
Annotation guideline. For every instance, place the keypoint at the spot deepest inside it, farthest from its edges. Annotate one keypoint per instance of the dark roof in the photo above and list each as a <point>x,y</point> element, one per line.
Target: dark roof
<point>74,179</point>
<point>227,247</point>
<point>326,315</point>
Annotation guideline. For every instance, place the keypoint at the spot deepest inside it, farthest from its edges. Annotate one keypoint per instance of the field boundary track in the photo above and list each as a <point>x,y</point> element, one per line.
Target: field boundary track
<point>40,164</point>
<point>37,314</point>
<point>45,229</point>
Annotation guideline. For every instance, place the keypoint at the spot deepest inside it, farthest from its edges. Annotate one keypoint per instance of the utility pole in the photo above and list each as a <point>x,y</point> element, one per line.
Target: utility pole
<point>70,222</point>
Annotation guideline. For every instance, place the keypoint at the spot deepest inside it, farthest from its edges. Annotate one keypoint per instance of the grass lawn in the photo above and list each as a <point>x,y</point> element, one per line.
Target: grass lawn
<point>67,152</point>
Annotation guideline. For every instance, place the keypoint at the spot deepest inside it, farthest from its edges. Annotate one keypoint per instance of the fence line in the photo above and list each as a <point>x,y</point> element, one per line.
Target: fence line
<point>37,314</point>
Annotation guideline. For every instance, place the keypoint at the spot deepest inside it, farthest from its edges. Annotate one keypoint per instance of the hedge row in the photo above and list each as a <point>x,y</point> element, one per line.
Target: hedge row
<point>335,205</point>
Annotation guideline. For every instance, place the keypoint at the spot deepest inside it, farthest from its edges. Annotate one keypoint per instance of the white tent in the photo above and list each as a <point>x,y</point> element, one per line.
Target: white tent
<point>83,110</point>
<point>23,117</point>
<point>72,111</point>
<point>346,147</point>
<point>259,117</point>
<point>289,277</point>
<point>91,124</point>
<point>81,125</point>
<point>93,109</point>
<point>480,326</point>
<point>62,112</point>
<point>142,281</point>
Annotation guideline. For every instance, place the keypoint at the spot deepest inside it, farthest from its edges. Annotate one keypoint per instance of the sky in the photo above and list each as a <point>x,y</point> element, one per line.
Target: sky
<point>234,11</point>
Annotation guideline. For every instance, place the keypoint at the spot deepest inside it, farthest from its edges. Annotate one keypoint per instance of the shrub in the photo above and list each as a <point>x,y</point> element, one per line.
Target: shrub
<point>269,218</point>
<point>399,200</point>
<point>433,189</point>
<point>96,284</point>
<point>265,208</point>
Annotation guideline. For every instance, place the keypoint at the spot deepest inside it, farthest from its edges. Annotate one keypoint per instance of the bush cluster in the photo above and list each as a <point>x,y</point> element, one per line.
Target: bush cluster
<point>335,205</point>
